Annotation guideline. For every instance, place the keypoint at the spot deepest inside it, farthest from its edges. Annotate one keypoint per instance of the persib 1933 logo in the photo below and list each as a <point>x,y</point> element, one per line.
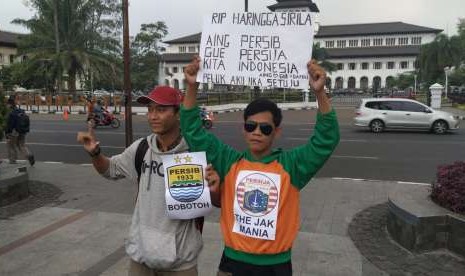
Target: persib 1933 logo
<point>185,182</point>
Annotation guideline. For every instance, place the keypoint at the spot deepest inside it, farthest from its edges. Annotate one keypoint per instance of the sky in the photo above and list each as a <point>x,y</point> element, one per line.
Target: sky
<point>184,17</point>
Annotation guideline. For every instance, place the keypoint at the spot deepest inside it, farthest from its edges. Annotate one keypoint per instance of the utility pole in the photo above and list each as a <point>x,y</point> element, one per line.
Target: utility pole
<point>127,76</point>
<point>57,45</point>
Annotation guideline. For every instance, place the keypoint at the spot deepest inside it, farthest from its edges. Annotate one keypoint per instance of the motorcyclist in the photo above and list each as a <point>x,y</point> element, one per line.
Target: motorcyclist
<point>203,112</point>
<point>99,111</point>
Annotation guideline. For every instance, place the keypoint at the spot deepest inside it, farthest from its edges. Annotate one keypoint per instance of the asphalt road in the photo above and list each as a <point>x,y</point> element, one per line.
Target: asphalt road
<point>400,155</point>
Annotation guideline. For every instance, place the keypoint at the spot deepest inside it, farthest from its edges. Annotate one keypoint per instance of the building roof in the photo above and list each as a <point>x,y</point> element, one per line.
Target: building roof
<point>336,53</point>
<point>343,30</point>
<point>194,38</point>
<point>8,39</point>
<point>373,29</point>
<point>285,4</point>
<point>184,57</point>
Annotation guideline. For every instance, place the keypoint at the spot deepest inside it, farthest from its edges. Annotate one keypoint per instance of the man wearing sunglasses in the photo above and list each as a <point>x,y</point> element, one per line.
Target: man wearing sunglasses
<point>260,192</point>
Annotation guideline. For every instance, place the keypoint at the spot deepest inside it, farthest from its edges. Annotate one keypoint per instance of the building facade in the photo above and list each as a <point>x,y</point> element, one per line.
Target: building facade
<point>8,48</point>
<point>366,55</point>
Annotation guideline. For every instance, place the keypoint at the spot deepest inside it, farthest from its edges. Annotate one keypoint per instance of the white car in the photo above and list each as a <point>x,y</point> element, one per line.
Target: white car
<point>379,114</point>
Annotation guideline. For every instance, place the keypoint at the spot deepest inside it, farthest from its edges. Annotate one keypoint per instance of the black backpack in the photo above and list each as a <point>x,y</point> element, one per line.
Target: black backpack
<point>22,122</point>
<point>140,153</point>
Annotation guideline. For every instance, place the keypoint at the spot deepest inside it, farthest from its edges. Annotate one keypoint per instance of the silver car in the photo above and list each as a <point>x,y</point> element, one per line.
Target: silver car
<point>379,114</point>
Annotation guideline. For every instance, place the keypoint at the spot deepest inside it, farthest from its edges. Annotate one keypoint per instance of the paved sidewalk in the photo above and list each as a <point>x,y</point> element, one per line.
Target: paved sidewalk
<point>80,226</point>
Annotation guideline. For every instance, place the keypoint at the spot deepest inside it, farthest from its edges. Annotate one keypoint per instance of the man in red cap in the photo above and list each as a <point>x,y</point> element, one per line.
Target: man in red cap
<point>157,245</point>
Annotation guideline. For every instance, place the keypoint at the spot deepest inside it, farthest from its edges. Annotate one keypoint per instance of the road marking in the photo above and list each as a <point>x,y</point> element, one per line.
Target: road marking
<point>355,157</point>
<point>376,180</point>
<point>97,132</point>
<point>342,140</point>
<point>413,183</point>
<point>68,145</point>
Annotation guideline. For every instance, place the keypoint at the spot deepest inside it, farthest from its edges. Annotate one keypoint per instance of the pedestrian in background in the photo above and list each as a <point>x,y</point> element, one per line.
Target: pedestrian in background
<point>16,130</point>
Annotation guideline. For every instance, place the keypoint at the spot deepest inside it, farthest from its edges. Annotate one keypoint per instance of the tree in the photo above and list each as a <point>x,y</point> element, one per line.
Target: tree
<point>145,58</point>
<point>321,55</point>
<point>442,52</point>
<point>72,37</point>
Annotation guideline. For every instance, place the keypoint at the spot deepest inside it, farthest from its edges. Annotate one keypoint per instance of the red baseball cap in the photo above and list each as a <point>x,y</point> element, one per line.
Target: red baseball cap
<point>162,95</point>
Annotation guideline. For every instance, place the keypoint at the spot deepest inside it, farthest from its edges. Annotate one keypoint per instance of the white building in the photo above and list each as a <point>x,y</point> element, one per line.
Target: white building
<point>9,48</point>
<point>366,55</point>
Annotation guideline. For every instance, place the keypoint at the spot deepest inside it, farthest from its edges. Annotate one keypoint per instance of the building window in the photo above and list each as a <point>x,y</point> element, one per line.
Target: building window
<point>175,69</point>
<point>1,58</point>
<point>329,44</point>
<point>391,65</point>
<point>12,59</point>
<point>390,41</point>
<point>340,66</point>
<point>352,66</point>
<point>404,64</point>
<point>341,44</point>
<point>182,49</point>
<point>403,40</point>
<point>378,42</point>
<point>191,49</point>
<point>416,40</point>
<point>365,66</point>
<point>353,43</point>
<point>377,65</point>
<point>366,42</point>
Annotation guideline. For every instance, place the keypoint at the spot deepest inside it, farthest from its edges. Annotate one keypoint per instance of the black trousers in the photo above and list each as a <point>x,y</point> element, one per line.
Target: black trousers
<point>238,268</point>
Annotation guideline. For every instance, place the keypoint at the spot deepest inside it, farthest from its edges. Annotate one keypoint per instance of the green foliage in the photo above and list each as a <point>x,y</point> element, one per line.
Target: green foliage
<point>145,57</point>
<point>442,52</point>
<point>87,33</point>
<point>321,55</point>
<point>402,81</point>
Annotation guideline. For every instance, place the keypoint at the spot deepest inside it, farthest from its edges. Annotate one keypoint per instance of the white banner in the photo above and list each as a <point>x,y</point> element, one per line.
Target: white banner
<point>256,204</point>
<point>269,49</point>
<point>186,191</point>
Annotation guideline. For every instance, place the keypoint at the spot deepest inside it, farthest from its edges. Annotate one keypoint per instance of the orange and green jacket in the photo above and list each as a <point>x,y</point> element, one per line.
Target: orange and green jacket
<point>294,167</point>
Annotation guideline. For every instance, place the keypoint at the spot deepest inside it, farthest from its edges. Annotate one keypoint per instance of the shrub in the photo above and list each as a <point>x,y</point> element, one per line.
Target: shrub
<point>449,187</point>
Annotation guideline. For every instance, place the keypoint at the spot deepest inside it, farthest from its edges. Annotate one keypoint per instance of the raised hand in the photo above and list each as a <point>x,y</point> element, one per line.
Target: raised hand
<point>191,70</point>
<point>87,139</point>
<point>317,76</point>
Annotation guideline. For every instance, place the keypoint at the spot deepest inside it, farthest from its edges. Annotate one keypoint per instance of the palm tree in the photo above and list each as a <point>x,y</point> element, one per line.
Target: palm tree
<point>67,34</point>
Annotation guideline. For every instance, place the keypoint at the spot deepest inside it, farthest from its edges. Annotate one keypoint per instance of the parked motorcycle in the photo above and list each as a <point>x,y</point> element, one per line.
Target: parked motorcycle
<point>108,120</point>
<point>207,119</point>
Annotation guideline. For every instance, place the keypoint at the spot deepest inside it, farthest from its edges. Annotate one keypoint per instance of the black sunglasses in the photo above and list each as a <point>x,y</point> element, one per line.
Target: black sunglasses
<point>265,128</point>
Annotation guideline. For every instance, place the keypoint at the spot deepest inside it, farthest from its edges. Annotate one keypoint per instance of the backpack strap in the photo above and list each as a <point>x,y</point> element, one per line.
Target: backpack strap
<point>140,153</point>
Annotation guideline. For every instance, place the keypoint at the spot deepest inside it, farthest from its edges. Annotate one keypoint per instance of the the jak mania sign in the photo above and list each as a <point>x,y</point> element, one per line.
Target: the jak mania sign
<point>256,49</point>
<point>256,204</point>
